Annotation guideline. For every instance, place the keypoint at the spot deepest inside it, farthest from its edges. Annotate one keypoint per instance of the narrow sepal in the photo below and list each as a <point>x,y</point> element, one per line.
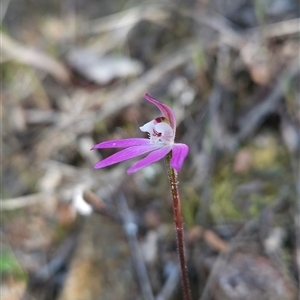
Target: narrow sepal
<point>122,143</point>
<point>149,159</point>
<point>125,154</point>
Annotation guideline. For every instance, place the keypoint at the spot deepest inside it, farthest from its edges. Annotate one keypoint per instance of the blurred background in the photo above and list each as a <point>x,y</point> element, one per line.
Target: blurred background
<point>74,73</point>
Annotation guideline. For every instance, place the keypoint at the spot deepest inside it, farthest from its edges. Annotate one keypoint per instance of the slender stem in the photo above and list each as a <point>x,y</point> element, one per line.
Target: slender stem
<point>172,174</point>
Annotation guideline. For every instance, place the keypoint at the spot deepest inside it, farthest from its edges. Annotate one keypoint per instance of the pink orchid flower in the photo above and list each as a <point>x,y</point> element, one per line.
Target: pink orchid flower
<point>161,132</point>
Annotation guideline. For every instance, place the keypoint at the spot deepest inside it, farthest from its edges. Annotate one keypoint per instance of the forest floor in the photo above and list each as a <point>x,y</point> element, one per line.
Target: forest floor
<point>74,74</point>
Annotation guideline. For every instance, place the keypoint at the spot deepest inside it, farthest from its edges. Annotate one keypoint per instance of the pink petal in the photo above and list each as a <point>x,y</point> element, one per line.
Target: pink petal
<point>165,110</point>
<point>125,154</point>
<point>122,143</point>
<point>179,153</point>
<point>149,159</point>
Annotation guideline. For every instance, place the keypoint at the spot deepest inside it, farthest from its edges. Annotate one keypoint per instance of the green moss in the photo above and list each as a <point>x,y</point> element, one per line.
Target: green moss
<point>270,167</point>
<point>268,156</point>
<point>10,265</point>
<point>199,57</point>
<point>189,202</point>
<point>271,163</point>
<point>222,205</point>
<point>223,186</point>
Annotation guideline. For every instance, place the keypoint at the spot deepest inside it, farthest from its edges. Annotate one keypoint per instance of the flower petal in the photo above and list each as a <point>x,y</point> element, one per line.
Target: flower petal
<point>165,110</point>
<point>148,127</point>
<point>122,143</point>
<point>125,154</point>
<point>149,159</point>
<point>179,153</point>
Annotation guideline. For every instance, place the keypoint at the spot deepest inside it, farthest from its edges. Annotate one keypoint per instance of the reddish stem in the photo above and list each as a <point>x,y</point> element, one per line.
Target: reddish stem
<point>172,174</point>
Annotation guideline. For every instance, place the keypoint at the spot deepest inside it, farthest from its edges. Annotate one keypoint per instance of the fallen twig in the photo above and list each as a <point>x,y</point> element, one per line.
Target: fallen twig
<point>279,29</point>
<point>125,18</point>
<point>24,201</point>
<point>256,116</point>
<point>24,54</point>
<point>170,285</point>
<point>130,229</point>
